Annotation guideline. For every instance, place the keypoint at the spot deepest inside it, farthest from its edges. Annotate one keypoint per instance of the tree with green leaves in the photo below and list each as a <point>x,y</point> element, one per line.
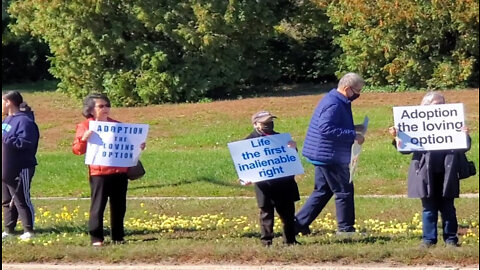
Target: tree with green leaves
<point>24,58</point>
<point>405,43</point>
<point>149,51</point>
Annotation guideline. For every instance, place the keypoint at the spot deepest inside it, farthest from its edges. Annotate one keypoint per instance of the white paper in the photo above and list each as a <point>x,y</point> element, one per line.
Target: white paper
<point>357,149</point>
<point>265,158</point>
<point>430,127</point>
<point>115,144</point>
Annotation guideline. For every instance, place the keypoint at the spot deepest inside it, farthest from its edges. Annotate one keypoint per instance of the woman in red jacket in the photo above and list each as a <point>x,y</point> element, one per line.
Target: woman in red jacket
<point>105,181</point>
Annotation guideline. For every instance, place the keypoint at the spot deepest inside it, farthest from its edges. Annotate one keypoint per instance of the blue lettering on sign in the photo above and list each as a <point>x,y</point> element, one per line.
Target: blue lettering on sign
<point>271,172</point>
<point>260,142</point>
<point>267,162</point>
<point>121,155</point>
<point>120,129</point>
<point>119,146</point>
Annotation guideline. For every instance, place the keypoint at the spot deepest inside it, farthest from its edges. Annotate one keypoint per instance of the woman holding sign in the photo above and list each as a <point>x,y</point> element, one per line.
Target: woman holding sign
<point>105,181</point>
<point>433,177</point>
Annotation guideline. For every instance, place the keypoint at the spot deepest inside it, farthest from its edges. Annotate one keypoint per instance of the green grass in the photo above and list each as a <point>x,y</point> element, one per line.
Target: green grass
<point>42,86</point>
<point>192,159</point>
<point>187,155</point>
<point>156,232</point>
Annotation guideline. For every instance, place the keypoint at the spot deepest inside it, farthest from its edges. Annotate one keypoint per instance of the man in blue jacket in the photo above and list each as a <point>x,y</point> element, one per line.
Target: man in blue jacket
<point>19,146</point>
<point>328,145</point>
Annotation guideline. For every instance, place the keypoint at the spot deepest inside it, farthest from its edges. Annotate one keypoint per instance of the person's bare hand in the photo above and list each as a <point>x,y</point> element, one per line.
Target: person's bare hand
<point>359,138</point>
<point>87,135</point>
<point>245,183</point>
<point>143,146</point>
<point>466,129</point>
<point>292,144</point>
<point>393,131</point>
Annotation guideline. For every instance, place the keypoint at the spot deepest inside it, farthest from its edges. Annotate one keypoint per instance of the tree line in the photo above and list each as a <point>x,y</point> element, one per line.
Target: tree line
<point>155,51</point>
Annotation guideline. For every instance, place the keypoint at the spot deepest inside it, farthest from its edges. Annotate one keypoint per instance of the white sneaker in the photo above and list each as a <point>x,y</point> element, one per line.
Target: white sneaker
<point>97,244</point>
<point>5,235</point>
<point>26,236</point>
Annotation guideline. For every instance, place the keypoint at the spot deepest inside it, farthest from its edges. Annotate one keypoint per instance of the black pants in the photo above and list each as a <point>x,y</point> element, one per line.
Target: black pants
<point>16,201</point>
<point>286,211</point>
<point>102,187</point>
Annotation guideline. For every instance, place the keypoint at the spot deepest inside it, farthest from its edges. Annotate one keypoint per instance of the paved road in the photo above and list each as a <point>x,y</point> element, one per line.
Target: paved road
<point>222,267</point>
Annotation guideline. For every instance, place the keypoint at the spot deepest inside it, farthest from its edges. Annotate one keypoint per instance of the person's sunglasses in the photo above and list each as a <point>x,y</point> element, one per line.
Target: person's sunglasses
<point>101,106</point>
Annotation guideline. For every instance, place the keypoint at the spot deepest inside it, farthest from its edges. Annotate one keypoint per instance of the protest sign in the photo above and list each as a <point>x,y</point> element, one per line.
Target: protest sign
<point>357,149</point>
<point>115,144</point>
<point>431,127</point>
<point>265,158</point>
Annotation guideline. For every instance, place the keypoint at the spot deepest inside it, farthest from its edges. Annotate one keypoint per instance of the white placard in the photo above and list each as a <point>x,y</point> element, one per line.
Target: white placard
<point>265,158</point>
<point>115,144</point>
<point>357,149</point>
<point>430,127</point>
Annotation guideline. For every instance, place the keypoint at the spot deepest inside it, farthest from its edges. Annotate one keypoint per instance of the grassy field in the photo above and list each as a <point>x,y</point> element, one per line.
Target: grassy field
<point>187,155</point>
<point>226,231</point>
<point>187,150</point>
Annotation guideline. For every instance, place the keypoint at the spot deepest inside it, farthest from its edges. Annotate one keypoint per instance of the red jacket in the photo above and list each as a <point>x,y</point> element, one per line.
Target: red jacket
<point>79,147</point>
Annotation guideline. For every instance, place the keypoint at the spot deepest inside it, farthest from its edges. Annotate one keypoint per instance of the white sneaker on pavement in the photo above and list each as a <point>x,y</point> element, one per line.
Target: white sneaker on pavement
<point>5,235</point>
<point>26,236</point>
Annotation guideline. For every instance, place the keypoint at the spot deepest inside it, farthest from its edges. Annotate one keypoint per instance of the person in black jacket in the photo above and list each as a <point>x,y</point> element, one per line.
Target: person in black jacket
<point>20,137</point>
<point>433,177</point>
<point>277,194</point>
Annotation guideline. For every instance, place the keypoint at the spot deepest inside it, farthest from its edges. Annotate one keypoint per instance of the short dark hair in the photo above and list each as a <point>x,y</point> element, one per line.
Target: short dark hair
<point>89,103</point>
<point>13,96</point>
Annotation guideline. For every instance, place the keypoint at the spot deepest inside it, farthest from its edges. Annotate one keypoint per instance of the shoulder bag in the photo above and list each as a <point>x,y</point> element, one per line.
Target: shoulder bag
<point>466,168</point>
<point>136,172</point>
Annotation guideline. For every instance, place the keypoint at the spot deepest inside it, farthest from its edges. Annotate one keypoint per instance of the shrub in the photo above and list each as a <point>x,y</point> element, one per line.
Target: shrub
<point>407,43</point>
<point>149,51</point>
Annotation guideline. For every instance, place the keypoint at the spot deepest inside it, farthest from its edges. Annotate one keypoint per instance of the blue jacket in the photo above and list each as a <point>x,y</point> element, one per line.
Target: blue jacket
<point>331,132</point>
<point>19,144</point>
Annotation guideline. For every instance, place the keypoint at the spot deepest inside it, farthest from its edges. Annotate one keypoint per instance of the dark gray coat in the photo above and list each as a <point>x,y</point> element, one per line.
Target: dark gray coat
<point>420,176</point>
<point>276,191</point>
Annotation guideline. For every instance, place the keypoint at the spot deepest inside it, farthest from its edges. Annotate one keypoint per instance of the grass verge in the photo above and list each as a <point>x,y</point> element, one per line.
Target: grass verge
<point>226,231</point>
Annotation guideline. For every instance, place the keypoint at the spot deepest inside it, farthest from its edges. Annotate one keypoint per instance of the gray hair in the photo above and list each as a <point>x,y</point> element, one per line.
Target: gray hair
<point>431,96</point>
<point>89,103</point>
<point>350,79</point>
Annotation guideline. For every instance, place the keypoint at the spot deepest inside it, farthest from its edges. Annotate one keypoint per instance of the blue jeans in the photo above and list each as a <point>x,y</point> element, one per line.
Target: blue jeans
<point>330,179</point>
<point>431,207</point>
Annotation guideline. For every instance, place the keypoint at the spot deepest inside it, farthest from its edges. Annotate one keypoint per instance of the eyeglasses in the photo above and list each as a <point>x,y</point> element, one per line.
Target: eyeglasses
<point>101,106</point>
